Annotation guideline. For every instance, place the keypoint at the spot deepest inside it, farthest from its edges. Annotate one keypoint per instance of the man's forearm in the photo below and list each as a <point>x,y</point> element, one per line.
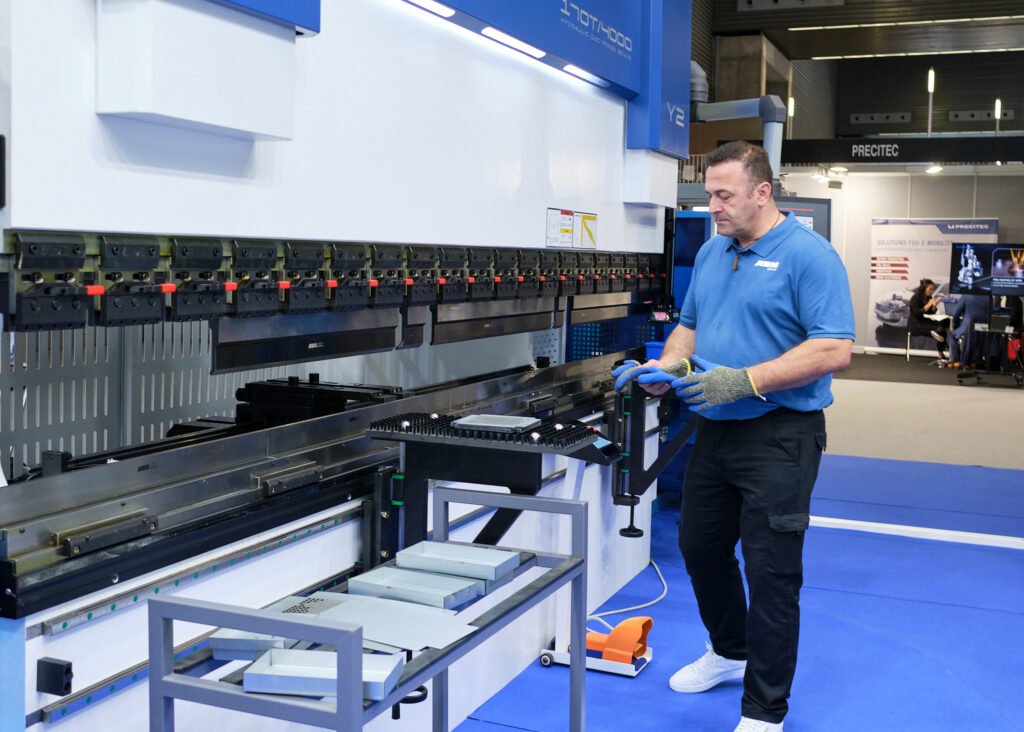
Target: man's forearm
<point>801,365</point>
<point>678,346</point>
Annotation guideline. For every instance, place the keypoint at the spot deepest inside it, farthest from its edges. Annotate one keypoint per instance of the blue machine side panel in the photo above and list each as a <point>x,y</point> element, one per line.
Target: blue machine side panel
<point>659,118</point>
<point>12,675</point>
<point>300,14</point>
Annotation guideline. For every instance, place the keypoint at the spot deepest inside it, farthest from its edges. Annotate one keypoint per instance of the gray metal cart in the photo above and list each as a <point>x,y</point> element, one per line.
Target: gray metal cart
<point>349,711</point>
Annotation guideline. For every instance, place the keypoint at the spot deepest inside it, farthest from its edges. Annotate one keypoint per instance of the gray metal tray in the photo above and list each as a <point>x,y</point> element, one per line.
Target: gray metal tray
<point>398,624</point>
<point>424,588</point>
<point>315,673</point>
<point>461,560</point>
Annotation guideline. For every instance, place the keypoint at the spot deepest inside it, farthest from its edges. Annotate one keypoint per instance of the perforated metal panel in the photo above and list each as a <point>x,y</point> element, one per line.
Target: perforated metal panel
<point>598,339</point>
<point>62,391</point>
<point>97,389</point>
<point>814,89</point>
<point>167,379</point>
<point>548,343</point>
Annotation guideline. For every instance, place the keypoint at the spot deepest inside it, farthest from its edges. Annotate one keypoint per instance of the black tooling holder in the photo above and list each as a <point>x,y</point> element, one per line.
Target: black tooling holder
<point>627,428</point>
<point>433,449</point>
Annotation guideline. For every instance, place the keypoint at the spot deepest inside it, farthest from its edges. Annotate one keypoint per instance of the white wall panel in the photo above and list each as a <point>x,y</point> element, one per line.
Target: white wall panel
<point>942,196</point>
<point>1001,196</point>
<point>407,129</point>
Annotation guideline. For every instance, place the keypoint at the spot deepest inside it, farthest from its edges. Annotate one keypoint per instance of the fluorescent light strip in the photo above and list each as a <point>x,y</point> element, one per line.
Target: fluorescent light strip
<point>434,7</point>
<point>916,53</point>
<point>512,42</point>
<point>585,75</point>
<point>894,23</point>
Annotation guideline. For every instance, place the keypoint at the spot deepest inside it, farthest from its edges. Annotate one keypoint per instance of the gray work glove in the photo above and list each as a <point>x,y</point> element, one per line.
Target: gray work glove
<point>648,373</point>
<point>714,384</point>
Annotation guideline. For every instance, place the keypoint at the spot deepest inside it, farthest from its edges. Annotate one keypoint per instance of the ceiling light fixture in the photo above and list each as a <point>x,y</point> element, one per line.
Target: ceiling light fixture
<point>839,169</point>
<point>585,75</point>
<point>434,7</point>
<point>934,169</point>
<point>512,42</point>
<point>911,53</point>
<point>890,24</point>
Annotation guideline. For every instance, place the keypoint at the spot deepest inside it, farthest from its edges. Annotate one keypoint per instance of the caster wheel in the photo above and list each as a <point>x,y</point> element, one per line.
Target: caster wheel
<point>546,659</point>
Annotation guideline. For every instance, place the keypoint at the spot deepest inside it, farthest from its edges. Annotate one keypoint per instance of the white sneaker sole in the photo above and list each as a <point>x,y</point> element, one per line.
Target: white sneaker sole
<point>712,683</point>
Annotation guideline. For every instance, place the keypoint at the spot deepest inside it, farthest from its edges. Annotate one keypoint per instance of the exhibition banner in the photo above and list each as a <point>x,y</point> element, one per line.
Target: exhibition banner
<point>903,252</point>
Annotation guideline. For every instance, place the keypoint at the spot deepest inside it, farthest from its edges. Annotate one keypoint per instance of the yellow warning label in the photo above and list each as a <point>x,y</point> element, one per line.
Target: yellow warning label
<point>586,230</point>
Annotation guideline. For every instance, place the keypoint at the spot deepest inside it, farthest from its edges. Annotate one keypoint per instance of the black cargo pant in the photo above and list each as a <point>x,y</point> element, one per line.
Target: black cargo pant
<point>751,480</point>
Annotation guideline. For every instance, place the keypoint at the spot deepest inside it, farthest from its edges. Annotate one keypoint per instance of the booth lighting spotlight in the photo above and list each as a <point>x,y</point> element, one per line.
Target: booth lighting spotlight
<point>512,42</point>
<point>585,75</point>
<point>934,169</point>
<point>434,7</point>
<point>999,162</point>
<point>839,169</point>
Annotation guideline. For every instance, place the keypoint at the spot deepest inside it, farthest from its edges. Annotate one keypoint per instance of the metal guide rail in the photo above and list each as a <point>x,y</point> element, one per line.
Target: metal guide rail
<point>54,281</point>
<point>68,534</point>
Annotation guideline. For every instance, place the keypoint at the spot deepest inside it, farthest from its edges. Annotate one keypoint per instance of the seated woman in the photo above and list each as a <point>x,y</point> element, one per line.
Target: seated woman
<point>964,344</point>
<point>921,304</point>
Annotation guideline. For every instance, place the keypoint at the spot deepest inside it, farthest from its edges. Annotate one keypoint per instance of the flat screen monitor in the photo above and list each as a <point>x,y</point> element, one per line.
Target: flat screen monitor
<point>814,213</point>
<point>987,269</point>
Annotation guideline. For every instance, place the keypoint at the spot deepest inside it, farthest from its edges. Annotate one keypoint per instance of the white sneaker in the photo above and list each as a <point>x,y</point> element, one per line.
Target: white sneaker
<point>707,671</point>
<point>756,725</point>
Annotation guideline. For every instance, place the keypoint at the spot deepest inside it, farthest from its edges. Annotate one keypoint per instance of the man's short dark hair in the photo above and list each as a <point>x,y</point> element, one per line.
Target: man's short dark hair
<point>753,157</point>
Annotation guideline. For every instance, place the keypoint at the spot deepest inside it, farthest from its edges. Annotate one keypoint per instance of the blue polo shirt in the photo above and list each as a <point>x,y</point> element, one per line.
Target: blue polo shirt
<point>788,287</point>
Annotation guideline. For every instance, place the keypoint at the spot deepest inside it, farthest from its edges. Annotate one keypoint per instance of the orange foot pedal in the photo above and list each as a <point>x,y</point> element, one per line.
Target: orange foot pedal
<point>623,651</point>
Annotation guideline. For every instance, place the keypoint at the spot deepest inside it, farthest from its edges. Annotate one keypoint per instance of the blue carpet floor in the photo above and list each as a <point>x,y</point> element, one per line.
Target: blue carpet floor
<point>897,634</point>
<point>934,495</point>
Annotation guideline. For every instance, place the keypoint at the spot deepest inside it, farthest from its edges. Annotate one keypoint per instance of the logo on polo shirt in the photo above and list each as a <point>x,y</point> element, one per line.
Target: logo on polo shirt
<point>766,264</point>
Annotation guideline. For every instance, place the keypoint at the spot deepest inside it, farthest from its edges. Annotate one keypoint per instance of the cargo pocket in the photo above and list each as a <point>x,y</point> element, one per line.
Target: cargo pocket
<point>788,544</point>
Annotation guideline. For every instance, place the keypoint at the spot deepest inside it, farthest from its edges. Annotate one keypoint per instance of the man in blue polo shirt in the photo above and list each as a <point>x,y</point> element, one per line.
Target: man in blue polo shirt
<point>766,321</point>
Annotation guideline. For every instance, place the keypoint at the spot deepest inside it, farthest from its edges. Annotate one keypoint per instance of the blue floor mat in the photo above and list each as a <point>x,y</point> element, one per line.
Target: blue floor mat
<point>934,495</point>
<point>897,634</point>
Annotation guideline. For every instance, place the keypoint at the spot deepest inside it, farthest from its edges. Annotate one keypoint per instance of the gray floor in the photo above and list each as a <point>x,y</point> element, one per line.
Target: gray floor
<point>942,424</point>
